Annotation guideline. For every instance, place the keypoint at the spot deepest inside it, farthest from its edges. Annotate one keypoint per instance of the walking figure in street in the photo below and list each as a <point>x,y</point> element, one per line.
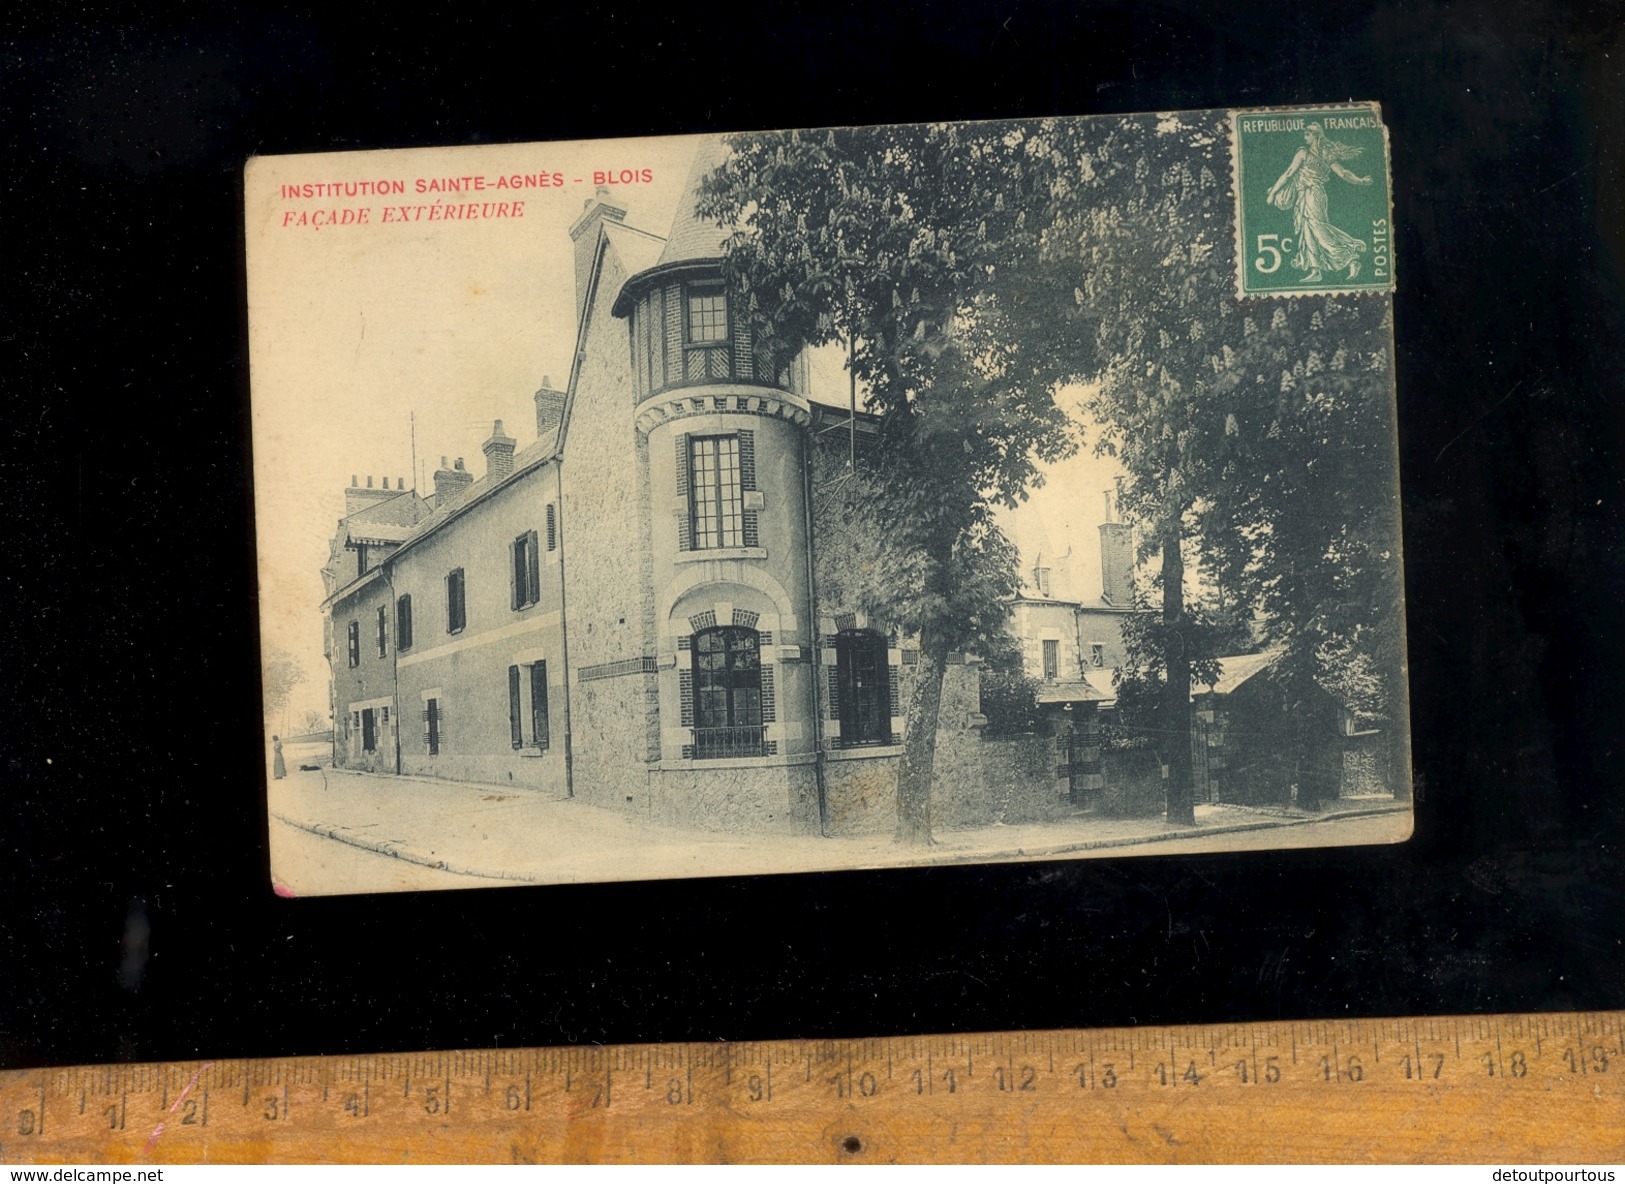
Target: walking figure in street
<point>1322,247</point>
<point>279,767</point>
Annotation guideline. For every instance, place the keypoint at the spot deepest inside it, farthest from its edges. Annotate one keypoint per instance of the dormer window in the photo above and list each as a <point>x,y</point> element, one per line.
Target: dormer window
<point>707,317</point>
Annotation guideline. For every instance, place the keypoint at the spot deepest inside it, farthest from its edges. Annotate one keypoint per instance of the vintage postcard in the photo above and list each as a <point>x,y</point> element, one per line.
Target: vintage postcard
<point>823,499</point>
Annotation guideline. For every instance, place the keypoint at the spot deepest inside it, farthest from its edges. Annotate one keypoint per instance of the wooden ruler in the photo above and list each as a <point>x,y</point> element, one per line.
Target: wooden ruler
<point>1514,1089</point>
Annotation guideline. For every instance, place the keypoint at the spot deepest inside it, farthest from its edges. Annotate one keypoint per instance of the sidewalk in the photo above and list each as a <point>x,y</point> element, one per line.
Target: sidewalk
<point>504,834</point>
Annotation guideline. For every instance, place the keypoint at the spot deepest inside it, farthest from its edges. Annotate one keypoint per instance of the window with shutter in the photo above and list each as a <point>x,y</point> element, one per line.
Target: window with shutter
<point>527,572</point>
<point>383,630</point>
<point>354,639</point>
<point>539,734</point>
<point>552,527</point>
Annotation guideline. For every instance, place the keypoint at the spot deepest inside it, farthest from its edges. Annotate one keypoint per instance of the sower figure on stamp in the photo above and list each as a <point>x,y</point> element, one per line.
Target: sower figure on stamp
<point>1302,189</point>
<point>279,767</point>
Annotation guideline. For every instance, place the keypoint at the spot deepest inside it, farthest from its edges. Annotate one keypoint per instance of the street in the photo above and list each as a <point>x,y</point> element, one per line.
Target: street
<point>334,832</point>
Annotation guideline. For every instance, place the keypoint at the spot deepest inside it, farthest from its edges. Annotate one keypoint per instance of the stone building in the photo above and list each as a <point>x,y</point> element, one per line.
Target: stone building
<point>627,610</point>
<point>1071,637</point>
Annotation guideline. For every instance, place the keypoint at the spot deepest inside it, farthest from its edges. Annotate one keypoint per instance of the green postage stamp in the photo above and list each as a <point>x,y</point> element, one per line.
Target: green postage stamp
<point>1313,205</point>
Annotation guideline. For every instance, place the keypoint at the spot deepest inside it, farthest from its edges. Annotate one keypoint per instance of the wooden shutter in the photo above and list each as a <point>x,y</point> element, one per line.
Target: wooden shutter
<point>552,527</point>
<point>539,731</point>
<point>533,566</point>
<point>456,617</point>
<point>515,731</point>
<point>516,569</point>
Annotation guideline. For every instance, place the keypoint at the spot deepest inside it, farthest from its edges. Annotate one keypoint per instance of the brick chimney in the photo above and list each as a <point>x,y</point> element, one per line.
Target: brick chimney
<point>1116,558</point>
<point>450,484</point>
<point>498,453</point>
<point>358,497</point>
<point>584,233</point>
<point>549,409</point>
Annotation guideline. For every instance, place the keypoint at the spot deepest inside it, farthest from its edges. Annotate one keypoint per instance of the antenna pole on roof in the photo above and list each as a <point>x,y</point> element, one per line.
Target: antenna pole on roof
<point>412,418</point>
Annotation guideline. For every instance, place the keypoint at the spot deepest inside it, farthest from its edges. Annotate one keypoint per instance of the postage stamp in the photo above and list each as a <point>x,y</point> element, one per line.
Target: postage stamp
<point>1313,203</point>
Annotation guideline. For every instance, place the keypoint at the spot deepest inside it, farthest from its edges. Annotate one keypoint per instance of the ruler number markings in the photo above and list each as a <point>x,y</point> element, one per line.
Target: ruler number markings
<point>79,1104</point>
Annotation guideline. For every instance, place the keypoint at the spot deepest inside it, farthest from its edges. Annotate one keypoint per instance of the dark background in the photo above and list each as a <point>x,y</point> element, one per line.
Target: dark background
<point>137,917</point>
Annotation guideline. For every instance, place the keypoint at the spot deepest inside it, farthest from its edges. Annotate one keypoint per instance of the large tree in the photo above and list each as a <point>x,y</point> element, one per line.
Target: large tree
<point>1302,512</point>
<point>281,672</point>
<point>977,268</point>
<point>921,248</point>
<point>1259,441</point>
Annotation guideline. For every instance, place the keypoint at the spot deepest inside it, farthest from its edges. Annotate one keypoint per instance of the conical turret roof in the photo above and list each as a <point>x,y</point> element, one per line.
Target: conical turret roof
<point>692,238</point>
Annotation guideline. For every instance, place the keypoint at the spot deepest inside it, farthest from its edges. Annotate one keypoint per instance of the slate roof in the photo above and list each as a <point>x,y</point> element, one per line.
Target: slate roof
<point>540,450</point>
<point>639,250</point>
<point>404,510</point>
<point>1073,692</point>
<point>1233,672</point>
<point>1239,669</point>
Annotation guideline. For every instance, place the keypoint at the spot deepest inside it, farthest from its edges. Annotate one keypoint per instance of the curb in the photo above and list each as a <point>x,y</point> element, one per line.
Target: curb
<point>1164,837</point>
<point>405,855</point>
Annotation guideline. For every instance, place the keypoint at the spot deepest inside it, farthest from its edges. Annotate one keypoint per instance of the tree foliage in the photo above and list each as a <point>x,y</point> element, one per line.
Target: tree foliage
<point>281,672</point>
<point>1258,436</point>
<point>977,268</point>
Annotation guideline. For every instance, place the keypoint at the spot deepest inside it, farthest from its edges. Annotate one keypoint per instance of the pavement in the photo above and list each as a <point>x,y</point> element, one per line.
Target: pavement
<point>335,831</point>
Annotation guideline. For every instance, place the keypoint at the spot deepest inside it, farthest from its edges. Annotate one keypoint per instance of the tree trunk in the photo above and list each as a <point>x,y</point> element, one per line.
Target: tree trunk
<point>920,748</point>
<point>1177,689</point>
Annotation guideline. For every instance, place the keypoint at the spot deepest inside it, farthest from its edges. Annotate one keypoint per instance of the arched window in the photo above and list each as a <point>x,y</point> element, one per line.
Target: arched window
<point>727,693</point>
<point>863,687</point>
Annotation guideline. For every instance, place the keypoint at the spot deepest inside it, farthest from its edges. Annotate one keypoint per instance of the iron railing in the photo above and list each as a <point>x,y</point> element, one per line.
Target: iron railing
<point>717,743</point>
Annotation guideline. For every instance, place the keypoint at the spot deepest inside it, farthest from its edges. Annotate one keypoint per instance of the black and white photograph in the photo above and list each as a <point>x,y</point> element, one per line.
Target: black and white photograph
<point>812,500</point>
